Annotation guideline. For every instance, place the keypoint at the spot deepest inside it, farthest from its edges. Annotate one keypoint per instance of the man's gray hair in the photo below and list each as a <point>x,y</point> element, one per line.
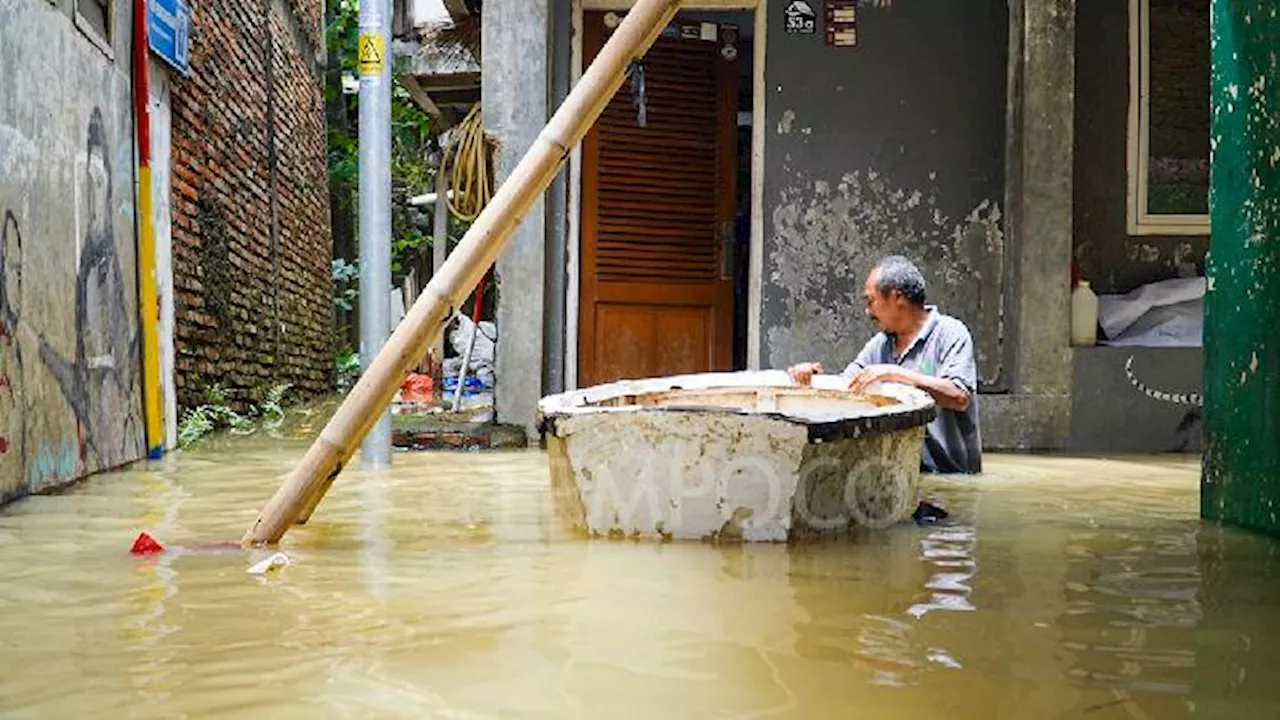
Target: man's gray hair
<point>898,273</point>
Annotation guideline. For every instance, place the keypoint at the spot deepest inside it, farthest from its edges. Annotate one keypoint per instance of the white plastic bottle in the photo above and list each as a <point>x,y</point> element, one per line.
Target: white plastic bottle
<point>1084,315</point>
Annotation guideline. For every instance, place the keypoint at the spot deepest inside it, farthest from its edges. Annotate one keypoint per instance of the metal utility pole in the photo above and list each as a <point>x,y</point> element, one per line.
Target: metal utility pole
<point>375,205</point>
<point>439,254</point>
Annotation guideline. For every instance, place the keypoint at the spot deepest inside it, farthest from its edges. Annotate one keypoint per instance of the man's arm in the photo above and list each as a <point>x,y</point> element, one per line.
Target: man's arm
<point>951,388</point>
<point>947,393</point>
<point>957,374</point>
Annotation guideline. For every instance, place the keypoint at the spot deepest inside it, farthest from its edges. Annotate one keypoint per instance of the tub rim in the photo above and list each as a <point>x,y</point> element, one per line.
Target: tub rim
<point>916,408</point>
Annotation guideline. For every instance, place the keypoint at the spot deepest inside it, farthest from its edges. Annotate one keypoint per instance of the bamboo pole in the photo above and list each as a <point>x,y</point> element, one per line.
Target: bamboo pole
<point>302,491</point>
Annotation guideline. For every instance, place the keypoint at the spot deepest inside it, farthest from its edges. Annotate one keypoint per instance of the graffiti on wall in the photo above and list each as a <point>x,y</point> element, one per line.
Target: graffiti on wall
<point>94,378</point>
<point>12,437</point>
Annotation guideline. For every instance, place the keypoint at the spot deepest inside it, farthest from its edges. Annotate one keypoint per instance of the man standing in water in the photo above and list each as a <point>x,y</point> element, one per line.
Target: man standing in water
<point>918,346</point>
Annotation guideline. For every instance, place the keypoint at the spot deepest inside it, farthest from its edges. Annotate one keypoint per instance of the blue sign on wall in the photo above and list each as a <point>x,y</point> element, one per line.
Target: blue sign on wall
<point>169,32</point>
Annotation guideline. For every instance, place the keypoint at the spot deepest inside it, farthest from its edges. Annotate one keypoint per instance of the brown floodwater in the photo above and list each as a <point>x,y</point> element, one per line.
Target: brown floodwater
<point>447,588</point>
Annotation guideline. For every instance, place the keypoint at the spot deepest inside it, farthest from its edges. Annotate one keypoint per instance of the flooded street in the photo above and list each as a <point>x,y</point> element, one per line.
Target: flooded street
<point>447,588</point>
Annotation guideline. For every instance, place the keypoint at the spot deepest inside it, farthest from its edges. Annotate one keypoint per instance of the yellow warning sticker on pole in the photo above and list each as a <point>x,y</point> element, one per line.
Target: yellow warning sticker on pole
<point>370,51</point>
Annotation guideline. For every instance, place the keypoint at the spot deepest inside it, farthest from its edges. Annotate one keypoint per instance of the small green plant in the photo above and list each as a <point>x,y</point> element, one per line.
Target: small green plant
<point>347,368</point>
<point>216,414</point>
<point>271,408</point>
<point>345,288</point>
<point>195,424</point>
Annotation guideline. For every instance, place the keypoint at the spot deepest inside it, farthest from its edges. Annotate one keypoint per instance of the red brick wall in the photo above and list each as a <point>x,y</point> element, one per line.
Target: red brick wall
<point>253,294</point>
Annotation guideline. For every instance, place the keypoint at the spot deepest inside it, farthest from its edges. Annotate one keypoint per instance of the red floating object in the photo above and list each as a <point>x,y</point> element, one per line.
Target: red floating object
<point>416,388</point>
<point>145,545</point>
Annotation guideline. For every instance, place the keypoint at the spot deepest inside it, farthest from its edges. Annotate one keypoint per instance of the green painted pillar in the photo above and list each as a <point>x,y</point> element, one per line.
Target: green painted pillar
<point>1240,484</point>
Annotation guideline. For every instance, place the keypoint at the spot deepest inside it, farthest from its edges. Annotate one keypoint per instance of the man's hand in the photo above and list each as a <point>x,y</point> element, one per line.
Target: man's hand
<point>947,394</point>
<point>875,374</point>
<point>803,373</point>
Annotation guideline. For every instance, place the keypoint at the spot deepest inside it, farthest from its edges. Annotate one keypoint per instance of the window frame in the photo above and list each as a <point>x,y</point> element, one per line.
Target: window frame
<point>105,44</point>
<point>1138,219</point>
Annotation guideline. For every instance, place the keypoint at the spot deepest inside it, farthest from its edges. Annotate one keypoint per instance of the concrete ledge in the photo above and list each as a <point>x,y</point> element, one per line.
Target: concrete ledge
<point>1025,422</point>
<point>1109,414</point>
<point>429,434</point>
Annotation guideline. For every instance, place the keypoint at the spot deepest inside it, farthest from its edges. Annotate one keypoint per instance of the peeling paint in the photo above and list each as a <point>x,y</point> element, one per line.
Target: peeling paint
<point>786,123</point>
<point>900,178</point>
<point>827,240</point>
<point>1144,252</point>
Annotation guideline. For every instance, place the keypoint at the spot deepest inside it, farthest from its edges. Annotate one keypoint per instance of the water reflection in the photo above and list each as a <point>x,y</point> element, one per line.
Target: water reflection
<point>1237,641</point>
<point>1131,608</point>
<point>951,552</point>
<point>374,543</point>
<point>446,587</point>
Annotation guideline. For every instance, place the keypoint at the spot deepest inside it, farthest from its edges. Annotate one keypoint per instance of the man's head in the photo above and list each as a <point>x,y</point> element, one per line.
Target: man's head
<point>895,294</point>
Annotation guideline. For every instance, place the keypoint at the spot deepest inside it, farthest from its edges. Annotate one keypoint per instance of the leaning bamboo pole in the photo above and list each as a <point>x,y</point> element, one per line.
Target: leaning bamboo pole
<point>303,489</point>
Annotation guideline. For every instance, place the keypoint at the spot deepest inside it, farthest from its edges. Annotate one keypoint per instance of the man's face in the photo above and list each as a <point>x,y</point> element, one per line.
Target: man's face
<point>883,309</point>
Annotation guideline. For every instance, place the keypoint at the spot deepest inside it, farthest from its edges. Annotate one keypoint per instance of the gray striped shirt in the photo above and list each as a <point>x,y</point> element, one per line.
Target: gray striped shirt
<point>944,349</point>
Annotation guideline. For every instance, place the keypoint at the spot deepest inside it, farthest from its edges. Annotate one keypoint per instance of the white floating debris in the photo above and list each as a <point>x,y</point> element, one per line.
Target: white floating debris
<point>274,562</point>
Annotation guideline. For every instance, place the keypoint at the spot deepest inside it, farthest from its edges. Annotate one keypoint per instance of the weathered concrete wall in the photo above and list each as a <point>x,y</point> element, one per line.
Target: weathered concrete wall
<point>1107,255</point>
<point>250,202</point>
<point>514,94</point>
<point>896,145</point>
<point>70,386</point>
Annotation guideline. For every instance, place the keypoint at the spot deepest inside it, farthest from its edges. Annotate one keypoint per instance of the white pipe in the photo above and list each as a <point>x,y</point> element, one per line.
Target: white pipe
<point>466,361</point>
<point>428,199</point>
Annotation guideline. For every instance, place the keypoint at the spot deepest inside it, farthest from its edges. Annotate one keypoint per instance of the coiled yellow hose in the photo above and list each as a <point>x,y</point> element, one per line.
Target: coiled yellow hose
<point>471,183</point>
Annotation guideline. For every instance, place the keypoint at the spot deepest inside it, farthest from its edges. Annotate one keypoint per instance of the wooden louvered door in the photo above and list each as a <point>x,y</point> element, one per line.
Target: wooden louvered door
<point>658,203</point>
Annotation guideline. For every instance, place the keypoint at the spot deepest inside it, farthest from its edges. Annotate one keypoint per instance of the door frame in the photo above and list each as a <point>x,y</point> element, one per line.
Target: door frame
<point>161,115</point>
<point>573,244</point>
